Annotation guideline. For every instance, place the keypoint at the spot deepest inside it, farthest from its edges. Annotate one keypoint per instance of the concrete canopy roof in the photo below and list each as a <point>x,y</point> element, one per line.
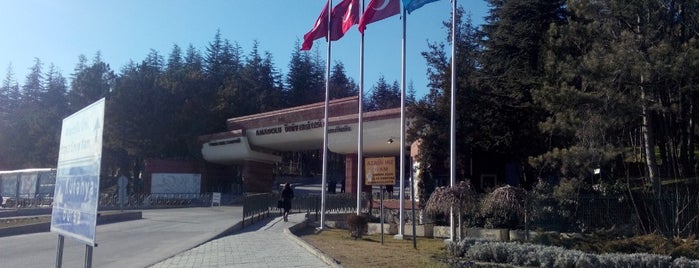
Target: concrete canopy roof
<point>258,137</point>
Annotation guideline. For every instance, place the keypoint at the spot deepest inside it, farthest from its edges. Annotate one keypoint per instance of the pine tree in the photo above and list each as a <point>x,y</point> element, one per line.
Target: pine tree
<point>54,107</point>
<point>384,95</point>
<point>305,81</point>
<point>223,63</point>
<point>9,103</point>
<point>341,86</point>
<point>605,70</point>
<point>9,95</point>
<point>261,88</point>
<point>511,68</point>
<point>90,83</point>
<point>33,86</point>
<point>432,113</point>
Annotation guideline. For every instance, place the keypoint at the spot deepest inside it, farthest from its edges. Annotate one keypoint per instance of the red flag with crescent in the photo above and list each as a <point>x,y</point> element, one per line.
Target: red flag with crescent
<point>319,30</point>
<point>351,17</point>
<point>342,16</point>
<point>377,10</point>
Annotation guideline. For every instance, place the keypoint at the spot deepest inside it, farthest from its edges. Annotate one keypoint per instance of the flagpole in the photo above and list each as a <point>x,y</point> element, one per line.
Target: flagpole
<point>360,115</point>
<point>452,147</point>
<point>325,123</point>
<point>401,194</point>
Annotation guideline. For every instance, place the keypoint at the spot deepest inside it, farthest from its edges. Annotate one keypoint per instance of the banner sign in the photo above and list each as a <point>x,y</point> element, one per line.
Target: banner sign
<point>380,170</point>
<point>76,193</point>
<point>175,185</point>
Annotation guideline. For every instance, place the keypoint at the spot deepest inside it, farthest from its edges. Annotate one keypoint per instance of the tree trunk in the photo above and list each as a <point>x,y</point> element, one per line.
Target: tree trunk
<point>648,142</point>
<point>687,144</point>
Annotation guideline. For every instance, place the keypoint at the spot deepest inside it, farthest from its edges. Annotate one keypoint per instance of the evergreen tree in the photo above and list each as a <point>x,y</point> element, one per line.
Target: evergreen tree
<point>29,119</point>
<point>138,113</point>
<point>341,86</point>
<point>197,96</point>
<point>511,68</point>
<point>432,113</point>
<point>305,81</point>
<point>9,134</point>
<point>194,104</point>
<point>175,62</point>
<point>384,96</point>
<point>223,64</point>
<point>261,86</point>
<point>604,71</point>
<point>9,95</point>
<point>53,109</point>
<point>33,87</point>
<point>90,83</point>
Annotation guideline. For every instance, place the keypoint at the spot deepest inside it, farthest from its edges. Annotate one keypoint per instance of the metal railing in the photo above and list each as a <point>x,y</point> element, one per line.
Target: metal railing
<point>674,214</point>
<point>258,206</point>
<point>169,200</point>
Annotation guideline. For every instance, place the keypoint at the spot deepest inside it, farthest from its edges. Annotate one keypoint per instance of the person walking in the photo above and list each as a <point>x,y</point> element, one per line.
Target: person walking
<point>287,195</point>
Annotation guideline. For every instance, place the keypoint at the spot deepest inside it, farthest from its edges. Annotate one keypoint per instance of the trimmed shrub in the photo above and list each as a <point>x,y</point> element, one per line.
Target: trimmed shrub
<point>683,262</point>
<point>358,225</point>
<point>548,256</point>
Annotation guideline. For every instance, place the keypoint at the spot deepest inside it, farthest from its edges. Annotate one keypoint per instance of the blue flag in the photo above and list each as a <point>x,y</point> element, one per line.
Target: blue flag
<point>410,5</point>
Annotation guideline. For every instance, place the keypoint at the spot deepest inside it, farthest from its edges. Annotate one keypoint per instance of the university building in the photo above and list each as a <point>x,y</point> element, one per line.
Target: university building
<point>254,142</point>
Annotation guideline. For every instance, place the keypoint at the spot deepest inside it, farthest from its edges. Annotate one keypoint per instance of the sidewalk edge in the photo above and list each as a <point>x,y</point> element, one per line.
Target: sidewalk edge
<point>313,250</point>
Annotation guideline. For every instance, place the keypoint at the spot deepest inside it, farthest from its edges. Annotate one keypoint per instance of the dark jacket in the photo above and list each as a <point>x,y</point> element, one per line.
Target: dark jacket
<point>287,195</point>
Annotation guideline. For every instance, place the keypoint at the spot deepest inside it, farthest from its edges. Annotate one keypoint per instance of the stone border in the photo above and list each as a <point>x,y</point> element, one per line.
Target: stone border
<point>289,232</point>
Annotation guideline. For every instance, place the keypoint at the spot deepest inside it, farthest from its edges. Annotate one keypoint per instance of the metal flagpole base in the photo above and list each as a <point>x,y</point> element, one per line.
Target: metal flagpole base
<point>398,237</point>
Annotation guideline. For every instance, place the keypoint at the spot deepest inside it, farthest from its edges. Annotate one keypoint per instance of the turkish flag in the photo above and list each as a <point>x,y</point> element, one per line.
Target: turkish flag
<point>319,30</point>
<point>343,16</point>
<point>377,10</point>
<point>351,16</point>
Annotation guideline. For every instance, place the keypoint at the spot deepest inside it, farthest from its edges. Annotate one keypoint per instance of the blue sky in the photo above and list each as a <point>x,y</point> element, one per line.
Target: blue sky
<point>59,31</point>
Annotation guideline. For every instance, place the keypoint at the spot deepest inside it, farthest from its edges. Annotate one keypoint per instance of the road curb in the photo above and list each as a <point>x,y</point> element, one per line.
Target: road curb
<point>46,226</point>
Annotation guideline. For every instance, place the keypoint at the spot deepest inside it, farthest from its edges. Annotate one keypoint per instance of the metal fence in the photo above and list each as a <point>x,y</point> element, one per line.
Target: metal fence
<point>132,201</point>
<point>169,200</point>
<point>37,202</point>
<point>672,215</point>
<point>675,214</point>
<point>258,206</point>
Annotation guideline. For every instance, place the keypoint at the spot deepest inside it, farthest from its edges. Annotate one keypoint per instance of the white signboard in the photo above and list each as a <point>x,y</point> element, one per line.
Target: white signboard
<point>76,193</point>
<point>216,199</point>
<point>175,185</point>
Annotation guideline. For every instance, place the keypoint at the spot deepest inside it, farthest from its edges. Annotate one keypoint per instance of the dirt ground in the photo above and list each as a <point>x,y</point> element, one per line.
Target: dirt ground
<point>369,252</point>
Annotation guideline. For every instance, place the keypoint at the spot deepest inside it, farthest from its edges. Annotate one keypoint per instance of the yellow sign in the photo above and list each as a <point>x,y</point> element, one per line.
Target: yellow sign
<point>380,171</point>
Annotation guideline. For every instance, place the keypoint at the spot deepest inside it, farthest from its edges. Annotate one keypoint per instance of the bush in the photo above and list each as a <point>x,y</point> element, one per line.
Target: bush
<point>505,207</point>
<point>358,225</point>
<point>547,256</point>
<point>683,262</point>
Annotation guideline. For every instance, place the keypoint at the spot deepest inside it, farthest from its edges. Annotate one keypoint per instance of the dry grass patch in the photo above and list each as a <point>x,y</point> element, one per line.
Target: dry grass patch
<point>369,252</point>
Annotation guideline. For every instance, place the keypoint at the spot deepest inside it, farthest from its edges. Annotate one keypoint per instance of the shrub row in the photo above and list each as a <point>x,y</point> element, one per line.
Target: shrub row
<point>524,254</point>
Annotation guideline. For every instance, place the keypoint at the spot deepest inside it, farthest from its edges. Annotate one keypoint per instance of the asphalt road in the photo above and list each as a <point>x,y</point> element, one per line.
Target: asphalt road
<point>140,243</point>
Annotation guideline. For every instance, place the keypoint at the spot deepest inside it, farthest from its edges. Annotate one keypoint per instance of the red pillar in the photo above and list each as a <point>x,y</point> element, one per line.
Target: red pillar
<point>258,177</point>
<point>351,173</point>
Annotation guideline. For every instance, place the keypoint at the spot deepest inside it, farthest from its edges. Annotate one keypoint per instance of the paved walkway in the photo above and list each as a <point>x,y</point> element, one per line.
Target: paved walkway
<point>263,244</point>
